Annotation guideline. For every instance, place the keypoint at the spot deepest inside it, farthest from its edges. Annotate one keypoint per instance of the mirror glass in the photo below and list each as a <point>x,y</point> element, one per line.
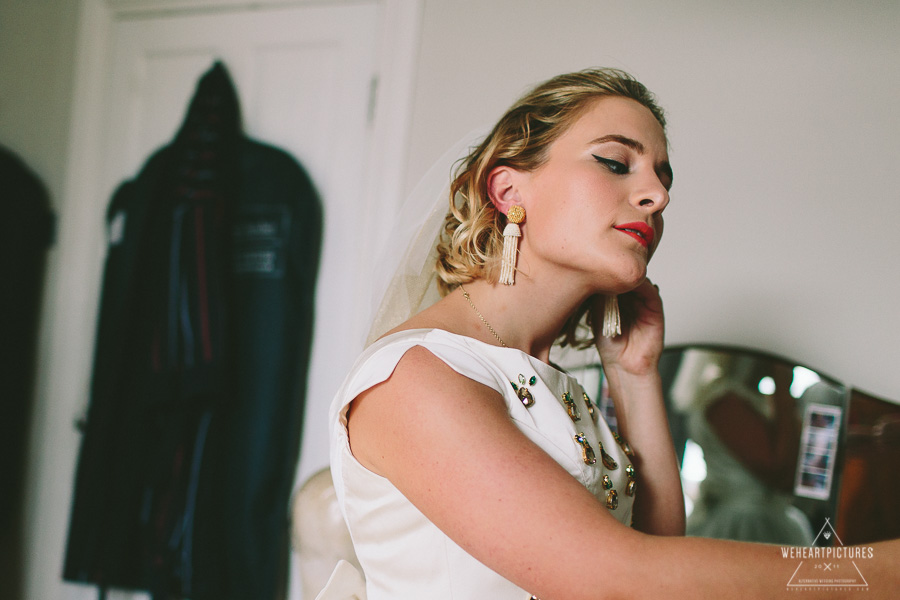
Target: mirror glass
<point>759,438</point>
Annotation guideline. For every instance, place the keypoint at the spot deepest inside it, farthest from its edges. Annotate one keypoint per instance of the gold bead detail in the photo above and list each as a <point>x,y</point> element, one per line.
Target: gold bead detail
<point>608,460</point>
<point>590,407</point>
<point>570,407</point>
<point>587,453</point>
<point>626,447</point>
<point>515,214</point>
<point>525,396</point>
<point>612,500</point>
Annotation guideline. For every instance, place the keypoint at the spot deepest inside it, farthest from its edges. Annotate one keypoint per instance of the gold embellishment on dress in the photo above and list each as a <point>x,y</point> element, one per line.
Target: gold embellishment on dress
<point>525,396</point>
<point>587,453</point>
<point>612,500</point>
<point>608,460</point>
<point>590,407</point>
<point>607,482</point>
<point>626,447</point>
<point>570,406</point>
<point>632,480</point>
<point>522,391</point>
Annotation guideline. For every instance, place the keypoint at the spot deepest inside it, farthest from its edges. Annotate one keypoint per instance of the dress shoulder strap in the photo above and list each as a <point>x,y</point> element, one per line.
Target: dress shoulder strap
<point>379,360</point>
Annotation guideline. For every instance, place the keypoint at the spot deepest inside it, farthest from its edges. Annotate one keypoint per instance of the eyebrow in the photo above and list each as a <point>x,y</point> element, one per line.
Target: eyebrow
<point>625,141</point>
<point>664,168</point>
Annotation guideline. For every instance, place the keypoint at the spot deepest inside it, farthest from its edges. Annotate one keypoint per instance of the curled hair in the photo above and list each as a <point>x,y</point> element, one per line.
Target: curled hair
<point>472,236</point>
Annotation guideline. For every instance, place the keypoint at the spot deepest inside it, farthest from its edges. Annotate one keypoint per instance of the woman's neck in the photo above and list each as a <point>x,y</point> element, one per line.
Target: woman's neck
<point>526,315</point>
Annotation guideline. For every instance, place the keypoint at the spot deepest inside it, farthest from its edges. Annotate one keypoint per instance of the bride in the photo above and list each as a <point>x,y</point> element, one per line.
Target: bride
<point>466,464</point>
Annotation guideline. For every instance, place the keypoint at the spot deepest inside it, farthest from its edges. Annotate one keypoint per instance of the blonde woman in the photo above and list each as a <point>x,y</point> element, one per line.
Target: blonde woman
<point>465,464</point>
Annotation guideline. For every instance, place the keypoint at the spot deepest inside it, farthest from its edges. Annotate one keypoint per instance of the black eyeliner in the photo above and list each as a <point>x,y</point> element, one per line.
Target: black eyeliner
<point>613,165</point>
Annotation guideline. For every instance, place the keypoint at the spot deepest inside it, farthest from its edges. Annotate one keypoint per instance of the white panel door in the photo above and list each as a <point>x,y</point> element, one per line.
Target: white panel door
<point>304,75</point>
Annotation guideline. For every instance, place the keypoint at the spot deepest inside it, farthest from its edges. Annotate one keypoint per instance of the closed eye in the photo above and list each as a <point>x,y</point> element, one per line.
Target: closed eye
<point>613,165</point>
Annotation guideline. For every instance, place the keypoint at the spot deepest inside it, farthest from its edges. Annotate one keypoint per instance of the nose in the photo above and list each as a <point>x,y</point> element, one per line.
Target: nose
<point>651,195</point>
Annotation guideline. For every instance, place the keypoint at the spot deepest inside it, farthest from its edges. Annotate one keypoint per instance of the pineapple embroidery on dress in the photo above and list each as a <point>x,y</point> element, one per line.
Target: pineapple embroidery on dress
<point>522,392</point>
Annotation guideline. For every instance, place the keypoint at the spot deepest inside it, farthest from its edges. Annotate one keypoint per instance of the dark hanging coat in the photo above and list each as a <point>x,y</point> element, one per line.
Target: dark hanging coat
<point>26,232</point>
<point>200,368</point>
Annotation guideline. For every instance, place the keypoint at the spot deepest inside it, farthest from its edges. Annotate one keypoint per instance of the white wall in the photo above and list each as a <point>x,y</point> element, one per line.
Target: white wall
<point>37,40</point>
<point>785,137</point>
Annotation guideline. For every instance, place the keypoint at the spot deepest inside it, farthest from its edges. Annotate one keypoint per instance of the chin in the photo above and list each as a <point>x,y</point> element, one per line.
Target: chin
<point>629,279</point>
<point>618,287</point>
<point>619,277</point>
<point>624,289</point>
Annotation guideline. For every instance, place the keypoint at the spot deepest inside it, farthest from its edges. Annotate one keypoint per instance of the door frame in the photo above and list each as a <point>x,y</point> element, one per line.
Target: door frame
<point>69,310</point>
<point>81,237</point>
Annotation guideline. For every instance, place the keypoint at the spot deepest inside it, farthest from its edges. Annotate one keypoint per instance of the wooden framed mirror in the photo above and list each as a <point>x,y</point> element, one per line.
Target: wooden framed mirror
<point>870,489</point>
<point>761,440</point>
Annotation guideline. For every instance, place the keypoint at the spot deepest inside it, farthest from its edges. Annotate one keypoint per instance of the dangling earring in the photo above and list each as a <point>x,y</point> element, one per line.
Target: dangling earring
<point>511,235</point>
<point>612,321</point>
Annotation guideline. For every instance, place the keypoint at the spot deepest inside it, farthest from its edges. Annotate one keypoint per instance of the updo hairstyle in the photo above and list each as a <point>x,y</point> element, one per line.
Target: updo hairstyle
<point>472,236</point>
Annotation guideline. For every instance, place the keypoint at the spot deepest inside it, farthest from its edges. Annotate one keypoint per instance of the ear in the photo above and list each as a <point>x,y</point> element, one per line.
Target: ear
<point>503,187</point>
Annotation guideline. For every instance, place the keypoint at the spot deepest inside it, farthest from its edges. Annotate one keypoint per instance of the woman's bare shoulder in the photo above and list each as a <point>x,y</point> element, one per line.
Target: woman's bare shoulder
<point>421,388</point>
<point>443,314</point>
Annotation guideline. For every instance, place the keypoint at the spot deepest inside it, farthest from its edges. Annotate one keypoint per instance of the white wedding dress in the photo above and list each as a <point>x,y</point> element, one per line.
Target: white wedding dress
<point>403,555</point>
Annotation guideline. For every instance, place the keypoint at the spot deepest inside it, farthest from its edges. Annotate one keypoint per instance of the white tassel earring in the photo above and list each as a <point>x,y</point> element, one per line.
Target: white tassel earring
<point>511,235</point>
<point>612,321</point>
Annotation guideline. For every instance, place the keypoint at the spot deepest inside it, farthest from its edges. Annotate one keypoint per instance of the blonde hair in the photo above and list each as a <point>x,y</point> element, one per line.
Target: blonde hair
<point>472,235</point>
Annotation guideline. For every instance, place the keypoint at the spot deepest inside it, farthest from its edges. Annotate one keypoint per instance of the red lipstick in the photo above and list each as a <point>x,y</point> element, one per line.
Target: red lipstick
<point>640,231</point>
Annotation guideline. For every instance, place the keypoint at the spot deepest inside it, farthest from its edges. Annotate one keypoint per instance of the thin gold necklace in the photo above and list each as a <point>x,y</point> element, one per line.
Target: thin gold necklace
<point>481,316</point>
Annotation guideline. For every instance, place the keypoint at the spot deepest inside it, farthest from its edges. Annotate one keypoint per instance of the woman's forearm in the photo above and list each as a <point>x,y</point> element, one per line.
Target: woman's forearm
<point>643,422</point>
<point>695,567</point>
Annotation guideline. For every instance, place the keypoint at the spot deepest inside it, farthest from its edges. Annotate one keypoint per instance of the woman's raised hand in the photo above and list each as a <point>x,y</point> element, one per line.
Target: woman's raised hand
<point>637,350</point>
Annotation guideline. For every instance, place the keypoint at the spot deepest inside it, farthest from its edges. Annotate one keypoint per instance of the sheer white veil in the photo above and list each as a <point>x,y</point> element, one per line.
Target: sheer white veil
<point>404,279</point>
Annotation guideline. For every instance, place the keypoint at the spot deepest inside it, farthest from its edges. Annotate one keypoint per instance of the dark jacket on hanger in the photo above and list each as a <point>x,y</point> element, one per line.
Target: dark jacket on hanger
<point>200,368</point>
<point>26,232</point>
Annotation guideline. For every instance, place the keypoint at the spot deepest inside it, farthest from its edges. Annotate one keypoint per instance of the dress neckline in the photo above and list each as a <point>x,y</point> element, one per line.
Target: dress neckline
<point>548,371</point>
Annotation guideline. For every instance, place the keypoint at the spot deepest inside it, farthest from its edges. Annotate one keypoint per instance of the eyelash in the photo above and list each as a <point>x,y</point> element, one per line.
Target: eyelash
<point>613,165</point>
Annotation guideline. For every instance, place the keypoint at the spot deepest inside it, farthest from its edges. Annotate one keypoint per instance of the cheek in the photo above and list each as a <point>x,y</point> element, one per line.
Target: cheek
<point>567,201</point>
<point>658,227</point>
